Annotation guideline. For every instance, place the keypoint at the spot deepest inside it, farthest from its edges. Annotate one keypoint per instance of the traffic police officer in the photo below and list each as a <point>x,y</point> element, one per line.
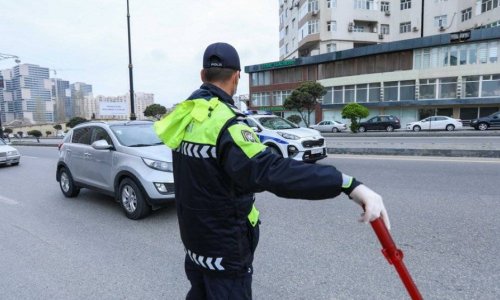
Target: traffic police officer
<point>219,163</point>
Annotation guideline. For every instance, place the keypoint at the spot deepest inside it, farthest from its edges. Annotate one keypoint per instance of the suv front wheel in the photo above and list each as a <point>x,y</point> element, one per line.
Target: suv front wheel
<point>132,200</point>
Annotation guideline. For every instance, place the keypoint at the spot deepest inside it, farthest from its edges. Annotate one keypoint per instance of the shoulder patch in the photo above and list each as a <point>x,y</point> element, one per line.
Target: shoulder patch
<point>244,137</point>
<point>248,136</point>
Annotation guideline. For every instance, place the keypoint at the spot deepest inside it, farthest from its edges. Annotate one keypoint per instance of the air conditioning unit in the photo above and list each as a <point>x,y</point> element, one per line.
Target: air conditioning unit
<point>314,12</point>
<point>374,30</point>
<point>380,36</point>
<point>387,12</point>
<point>415,28</point>
<point>441,28</point>
<point>350,27</point>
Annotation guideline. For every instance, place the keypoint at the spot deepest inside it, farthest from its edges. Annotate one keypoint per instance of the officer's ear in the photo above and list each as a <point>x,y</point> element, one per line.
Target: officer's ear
<point>202,76</point>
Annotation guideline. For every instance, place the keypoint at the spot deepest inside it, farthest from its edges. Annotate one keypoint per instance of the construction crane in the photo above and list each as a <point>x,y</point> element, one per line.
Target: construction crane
<point>7,56</point>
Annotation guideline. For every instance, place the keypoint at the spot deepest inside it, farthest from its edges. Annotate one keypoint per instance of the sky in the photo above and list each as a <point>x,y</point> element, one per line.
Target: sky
<point>86,41</point>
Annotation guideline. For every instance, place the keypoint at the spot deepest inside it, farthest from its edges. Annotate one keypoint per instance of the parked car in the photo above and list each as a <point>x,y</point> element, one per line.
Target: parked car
<point>288,139</point>
<point>435,123</point>
<point>483,123</point>
<point>124,159</point>
<point>382,122</point>
<point>8,154</point>
<point>329,126</point>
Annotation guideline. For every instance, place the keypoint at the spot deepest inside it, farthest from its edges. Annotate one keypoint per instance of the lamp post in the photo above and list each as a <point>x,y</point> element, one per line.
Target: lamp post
<point>130,67</point>
<point>17,60</point>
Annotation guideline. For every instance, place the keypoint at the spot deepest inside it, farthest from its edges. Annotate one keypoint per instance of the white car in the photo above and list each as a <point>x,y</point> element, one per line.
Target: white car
<point>288,139</point>
<point>8,154</point>
<point>435,123</point>
<point>329,126</point>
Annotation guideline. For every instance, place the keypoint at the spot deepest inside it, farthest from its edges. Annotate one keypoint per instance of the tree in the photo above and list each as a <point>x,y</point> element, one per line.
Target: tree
<point>354,112</point>
<point>36,133</point>
<point>58,127</point>
<point>155,111</point>
<point>7,132</point>
<point>304,99</point>
<point>75,121</point>
<point>294,119</point>
<point>48,132</point>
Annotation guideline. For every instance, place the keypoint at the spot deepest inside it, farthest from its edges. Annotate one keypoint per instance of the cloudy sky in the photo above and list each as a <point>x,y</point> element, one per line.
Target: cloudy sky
<point>87,40</point>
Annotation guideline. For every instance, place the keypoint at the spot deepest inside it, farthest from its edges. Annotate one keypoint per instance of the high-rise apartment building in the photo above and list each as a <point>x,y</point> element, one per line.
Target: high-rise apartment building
<point>80,92</point>
<point>312,27</point>
<point>26,94</point>
<point>61,95</point>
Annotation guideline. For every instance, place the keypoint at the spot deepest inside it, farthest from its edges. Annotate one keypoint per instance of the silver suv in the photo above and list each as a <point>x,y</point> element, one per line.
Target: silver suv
<point>124,159</point>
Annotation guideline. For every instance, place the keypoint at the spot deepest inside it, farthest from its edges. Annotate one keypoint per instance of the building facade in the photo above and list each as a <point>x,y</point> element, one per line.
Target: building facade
<point>61,97</point>
<point>312,27</point>
<point>26,94</point>
<point>453,74</point>
<point>80,93</point>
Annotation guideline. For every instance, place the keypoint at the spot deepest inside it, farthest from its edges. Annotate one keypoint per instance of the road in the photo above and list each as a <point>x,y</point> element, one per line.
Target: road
<point>444,214</point>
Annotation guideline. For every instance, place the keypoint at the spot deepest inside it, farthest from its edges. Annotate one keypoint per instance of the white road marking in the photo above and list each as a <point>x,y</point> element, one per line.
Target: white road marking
<point>27,156</point>
<point>9,201</point>
<point>419,158</point>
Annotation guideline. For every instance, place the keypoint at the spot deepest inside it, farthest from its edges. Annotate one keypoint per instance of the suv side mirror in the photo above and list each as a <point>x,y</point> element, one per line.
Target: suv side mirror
<point>255,129</point>
<point>101,145</point>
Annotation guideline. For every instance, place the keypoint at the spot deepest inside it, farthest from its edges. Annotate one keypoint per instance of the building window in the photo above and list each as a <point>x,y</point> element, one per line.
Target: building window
<point>490,86</point>
<point>358,28</point>
<point>440,21</point>
<point>384,28</point>
<point>331,26</point>
<point>338,94</point>
<point>279,97</point>
<point>404,27</point>
<point>361,92</point>
<point>349,94</point>
<point>466,14</point>
<point>363,4</point>
<point>405,4</point>
<point>427,89</point>
<point>312,5</point>
<point>471,86</point>
<point>407,90</point>
<point>385,6</point>
<point>391,91</point>
<point>312,27</point>
<point>331,47</point>
<point>331,3</point>
<point>261,78</point>
<point>374,92</point>
<point>448,88</point>
<point>487,5</point>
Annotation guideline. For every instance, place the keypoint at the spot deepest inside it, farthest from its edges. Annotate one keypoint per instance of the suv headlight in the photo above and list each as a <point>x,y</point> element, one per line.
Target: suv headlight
<point>158,164</point>
<point>288,136</point>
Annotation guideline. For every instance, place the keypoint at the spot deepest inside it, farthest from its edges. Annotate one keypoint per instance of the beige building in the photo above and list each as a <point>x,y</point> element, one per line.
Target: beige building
<point>312,27</point>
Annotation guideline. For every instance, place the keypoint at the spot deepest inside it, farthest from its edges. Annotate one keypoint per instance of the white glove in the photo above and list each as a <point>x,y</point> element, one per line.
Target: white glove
<point>372,204</point>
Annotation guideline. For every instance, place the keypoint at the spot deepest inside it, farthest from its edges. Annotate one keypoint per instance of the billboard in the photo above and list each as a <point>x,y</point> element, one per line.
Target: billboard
<point>113,108</point>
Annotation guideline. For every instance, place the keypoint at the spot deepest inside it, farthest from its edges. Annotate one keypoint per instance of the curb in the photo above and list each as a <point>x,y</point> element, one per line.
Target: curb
<point>376,151</point>
<point>416,152</point>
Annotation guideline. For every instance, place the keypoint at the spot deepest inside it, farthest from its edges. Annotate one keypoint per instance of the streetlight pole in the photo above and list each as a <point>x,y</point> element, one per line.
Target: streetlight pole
<point>17,60</point>
<point>130,67</point>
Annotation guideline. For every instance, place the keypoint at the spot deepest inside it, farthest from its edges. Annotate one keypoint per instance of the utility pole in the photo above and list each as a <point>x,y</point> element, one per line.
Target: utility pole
<point>130,67</point>
<point>17,60</point>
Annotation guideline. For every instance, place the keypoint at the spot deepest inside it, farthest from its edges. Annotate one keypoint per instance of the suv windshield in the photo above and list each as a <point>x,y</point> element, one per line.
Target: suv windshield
<point>136,135</point>
<point>275,123</point>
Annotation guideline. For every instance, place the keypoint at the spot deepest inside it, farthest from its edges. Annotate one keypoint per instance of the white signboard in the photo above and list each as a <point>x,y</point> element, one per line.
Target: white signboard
<point>113,108</point>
